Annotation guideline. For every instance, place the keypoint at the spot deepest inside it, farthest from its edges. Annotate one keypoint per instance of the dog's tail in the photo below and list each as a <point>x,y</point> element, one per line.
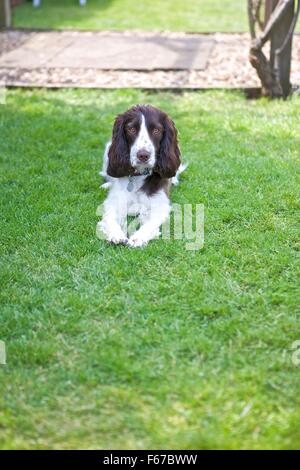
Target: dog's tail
<point>181,169</point>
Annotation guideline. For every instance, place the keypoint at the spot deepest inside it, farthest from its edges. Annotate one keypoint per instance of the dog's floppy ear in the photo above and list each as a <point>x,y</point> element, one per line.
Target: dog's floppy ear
<point>118,154</point>
<point>168,160</point>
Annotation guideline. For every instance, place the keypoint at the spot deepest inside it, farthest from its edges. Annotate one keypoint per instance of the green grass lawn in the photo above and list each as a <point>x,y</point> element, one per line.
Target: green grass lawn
<point>175,15</point>
<point>111,347</point>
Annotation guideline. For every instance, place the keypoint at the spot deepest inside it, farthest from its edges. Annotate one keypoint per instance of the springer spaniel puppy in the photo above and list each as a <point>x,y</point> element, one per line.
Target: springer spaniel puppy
<point>140,163</point>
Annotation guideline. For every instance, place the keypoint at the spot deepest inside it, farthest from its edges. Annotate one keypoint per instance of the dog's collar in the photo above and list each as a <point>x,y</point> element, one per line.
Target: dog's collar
<point>130,185</point>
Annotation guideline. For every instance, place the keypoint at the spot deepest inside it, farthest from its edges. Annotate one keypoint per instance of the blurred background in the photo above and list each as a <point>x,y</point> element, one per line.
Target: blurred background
<point>201,44</point>
<point>173,15</point>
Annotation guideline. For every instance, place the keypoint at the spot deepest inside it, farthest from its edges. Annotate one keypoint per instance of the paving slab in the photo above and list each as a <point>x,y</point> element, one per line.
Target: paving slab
<point>227,65</point>
<point>111,51</point>
<point>38,51</point>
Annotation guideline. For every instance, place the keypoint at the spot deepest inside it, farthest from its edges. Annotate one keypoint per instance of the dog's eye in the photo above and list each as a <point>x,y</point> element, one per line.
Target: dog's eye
<point>156,131</point>
<point>131,130</point>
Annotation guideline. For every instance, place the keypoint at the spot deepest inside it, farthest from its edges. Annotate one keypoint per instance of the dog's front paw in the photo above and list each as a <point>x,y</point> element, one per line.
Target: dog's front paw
<point>137,242</point>
<point>113,235</point>
<point>117,239</point>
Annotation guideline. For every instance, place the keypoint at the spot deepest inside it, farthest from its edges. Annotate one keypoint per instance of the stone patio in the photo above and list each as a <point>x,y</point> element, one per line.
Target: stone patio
<point>111,50</point>
<point>129,59</point>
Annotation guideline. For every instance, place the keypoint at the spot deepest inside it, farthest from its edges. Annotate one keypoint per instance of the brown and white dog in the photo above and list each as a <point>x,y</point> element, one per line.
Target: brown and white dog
<point>140,163</point>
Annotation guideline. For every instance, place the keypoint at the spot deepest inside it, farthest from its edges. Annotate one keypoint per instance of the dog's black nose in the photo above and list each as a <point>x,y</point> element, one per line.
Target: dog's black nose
<point>143,155</point>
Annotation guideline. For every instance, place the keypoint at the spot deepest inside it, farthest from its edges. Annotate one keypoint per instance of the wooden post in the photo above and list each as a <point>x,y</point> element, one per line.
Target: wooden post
<point>268,9</point>
<point>283,64</point>
<point>5,14</point>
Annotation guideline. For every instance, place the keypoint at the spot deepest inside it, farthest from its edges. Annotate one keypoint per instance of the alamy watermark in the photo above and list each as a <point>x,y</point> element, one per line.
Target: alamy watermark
<point>2,94</point>
<point>2,353</point>
<point>186,222</point>
<point>296,353</point>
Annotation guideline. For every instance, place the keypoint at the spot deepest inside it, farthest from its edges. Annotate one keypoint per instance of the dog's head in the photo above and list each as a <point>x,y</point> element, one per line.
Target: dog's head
<point>144,139</point>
